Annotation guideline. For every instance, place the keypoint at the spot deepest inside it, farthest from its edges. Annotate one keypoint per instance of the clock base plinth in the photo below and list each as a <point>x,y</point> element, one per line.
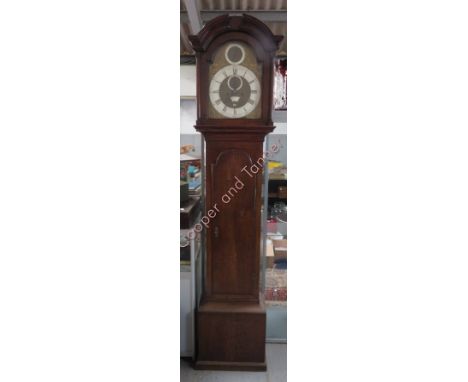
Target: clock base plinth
<point>231,336</point>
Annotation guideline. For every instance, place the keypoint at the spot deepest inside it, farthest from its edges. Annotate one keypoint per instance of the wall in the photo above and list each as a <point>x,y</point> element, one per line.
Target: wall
<point>188,134</point>
<point>188,116</point>
<point>187,81</point>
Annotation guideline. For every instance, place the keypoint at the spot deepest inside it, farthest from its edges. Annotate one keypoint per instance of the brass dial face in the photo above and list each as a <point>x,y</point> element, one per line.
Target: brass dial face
<point>235,89</point>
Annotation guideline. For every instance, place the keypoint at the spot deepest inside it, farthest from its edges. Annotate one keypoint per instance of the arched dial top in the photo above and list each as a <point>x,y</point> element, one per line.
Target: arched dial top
<point>234,82</point>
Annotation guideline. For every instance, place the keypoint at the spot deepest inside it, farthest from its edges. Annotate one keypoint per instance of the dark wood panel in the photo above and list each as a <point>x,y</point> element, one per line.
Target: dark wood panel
<point>233,240</point>
<point>234,229</point>
<point>232,337</point>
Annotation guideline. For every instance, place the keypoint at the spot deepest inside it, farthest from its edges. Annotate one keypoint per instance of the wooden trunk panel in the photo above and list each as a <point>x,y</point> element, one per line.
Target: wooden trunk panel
<point>233,253</point>
<point>233,238</point>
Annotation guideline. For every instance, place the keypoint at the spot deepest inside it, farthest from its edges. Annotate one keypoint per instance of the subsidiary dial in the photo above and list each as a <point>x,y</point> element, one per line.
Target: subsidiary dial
<point>234,91</point>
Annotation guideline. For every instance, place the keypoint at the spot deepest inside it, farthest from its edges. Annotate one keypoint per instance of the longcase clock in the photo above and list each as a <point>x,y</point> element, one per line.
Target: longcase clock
<point>234,103</point>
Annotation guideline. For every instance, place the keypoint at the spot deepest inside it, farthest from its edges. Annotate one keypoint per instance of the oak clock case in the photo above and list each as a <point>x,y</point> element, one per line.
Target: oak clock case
<point>234,101</point>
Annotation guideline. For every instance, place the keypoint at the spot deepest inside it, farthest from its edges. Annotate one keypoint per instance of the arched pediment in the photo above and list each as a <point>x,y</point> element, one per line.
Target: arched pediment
<point>226,23</point>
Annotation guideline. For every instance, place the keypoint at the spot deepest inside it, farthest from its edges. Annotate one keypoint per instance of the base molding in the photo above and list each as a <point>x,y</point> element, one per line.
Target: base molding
<point>230,366</point>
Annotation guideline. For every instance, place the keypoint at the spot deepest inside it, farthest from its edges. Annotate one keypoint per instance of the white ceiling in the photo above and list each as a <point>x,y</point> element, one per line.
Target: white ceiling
<point>194,13</point>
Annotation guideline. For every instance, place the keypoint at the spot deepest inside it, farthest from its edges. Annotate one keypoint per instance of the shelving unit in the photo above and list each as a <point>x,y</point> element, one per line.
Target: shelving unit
<point>190,277</point>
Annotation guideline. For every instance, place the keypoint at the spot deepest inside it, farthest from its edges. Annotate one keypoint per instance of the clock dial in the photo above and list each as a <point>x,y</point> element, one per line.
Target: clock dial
<point>234,91</point>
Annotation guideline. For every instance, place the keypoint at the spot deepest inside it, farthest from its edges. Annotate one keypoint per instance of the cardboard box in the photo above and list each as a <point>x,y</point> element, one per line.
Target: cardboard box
<point>270,254</point>
<point>280,249</point>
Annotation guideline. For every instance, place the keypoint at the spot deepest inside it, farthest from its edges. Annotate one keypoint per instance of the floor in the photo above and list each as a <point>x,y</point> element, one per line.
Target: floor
<point>277,317</point>
<point>276,370</point>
